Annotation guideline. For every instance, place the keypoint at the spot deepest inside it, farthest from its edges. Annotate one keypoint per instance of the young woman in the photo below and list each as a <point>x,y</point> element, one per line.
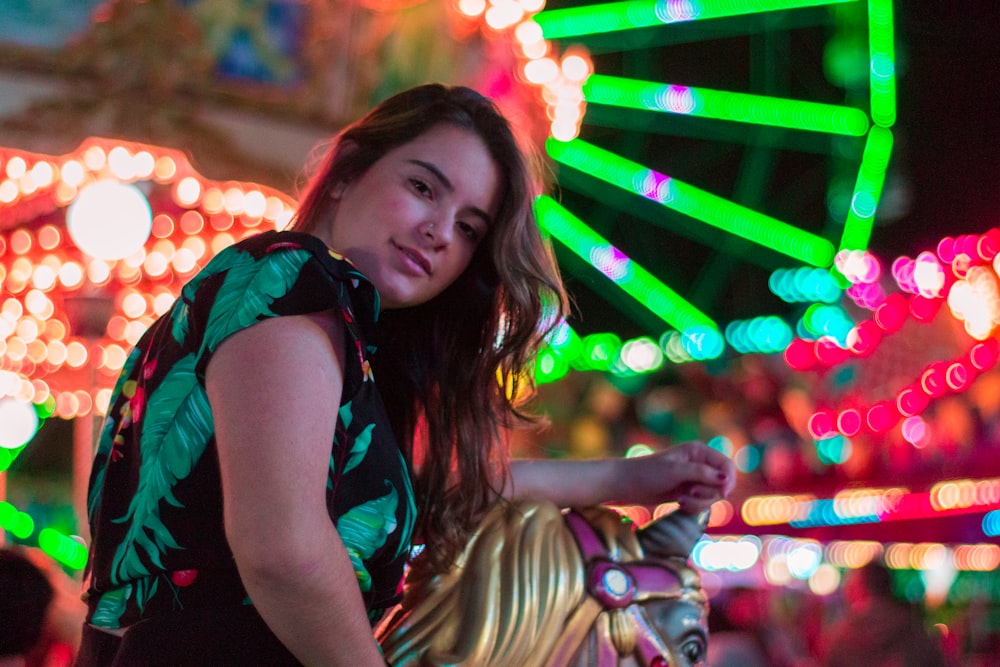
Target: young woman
<point>251,499</point>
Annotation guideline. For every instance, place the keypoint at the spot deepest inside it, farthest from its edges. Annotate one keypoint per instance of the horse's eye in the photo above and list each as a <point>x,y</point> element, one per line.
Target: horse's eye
<point>693,650</point>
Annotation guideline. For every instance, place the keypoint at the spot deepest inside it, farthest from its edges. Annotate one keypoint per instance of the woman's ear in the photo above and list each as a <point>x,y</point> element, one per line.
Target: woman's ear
<point>337,191</point>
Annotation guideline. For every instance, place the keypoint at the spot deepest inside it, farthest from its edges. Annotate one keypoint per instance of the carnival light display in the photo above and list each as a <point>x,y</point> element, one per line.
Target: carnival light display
<point>69,309</point>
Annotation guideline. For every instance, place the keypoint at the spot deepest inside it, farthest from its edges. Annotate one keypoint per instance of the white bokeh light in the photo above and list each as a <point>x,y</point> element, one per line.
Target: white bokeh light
<point>18,422</point>
<point>109,220</point>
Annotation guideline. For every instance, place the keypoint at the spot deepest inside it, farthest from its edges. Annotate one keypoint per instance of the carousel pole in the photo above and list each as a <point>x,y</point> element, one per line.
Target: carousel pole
<point>88,315</point>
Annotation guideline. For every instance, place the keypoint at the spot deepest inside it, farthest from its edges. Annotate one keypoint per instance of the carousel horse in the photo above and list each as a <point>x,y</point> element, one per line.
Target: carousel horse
<point>540,587</point>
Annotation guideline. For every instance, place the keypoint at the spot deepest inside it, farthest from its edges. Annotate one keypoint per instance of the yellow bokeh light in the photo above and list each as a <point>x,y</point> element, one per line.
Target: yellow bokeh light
<point>72,174</point>
<point>213,201</point>
<point>184,261</point>
<point>163,302</point>
<point>232,200</point>
<point>144,164</point>
<point>95,158</point>
<point>165,169</point>
<point>121,164</point>
<point>56,353</point>
<point>471,8</point>
<point>9,192</point>
<point>43,174</point>
<point>16,167</point>
<point>254,204</point>
<point>541,71</point>
<point>188,191</point>
<point>98,271</point>
<point>825,580</point>
<point>134,305</point>
<point>196,246</point>
<point>102,401</point>
<point>71,274</point>
<point>76,354</point>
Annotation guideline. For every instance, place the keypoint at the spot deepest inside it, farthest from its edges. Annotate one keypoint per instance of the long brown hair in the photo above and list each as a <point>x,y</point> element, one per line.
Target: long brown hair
<point>451,370</point>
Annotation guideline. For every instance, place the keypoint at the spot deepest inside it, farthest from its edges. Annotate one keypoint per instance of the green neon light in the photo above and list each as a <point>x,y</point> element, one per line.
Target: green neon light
<point>63,548</point>
<point>882,56</point>
<point>16,522</point>
<point>632,278</point>
<point>724,105</point>
<point>614,16</point>
<point>867,190</point>
<point>694,202</point>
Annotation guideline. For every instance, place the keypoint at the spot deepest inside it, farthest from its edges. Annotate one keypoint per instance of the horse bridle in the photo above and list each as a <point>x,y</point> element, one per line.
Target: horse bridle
<point>619,588</point>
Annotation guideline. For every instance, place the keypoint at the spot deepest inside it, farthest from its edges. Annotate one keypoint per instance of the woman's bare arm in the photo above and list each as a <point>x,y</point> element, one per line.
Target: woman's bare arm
<point>691,474</point>
<point>275,389</point>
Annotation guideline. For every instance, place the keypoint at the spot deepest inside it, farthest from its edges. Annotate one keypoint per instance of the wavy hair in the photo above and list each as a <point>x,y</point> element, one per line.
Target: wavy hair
<point>451,370</point>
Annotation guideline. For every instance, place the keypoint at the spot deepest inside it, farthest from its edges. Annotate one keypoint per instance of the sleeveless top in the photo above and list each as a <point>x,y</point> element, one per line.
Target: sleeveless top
<point>155,503</point>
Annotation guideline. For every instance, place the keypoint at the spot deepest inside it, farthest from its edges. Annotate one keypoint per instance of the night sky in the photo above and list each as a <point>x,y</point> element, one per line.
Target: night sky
<point>948,129</point>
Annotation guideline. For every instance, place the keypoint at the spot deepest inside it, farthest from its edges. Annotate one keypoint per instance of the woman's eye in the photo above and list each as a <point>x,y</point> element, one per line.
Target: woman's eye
<point>470,231</point>
<point>420,186</point>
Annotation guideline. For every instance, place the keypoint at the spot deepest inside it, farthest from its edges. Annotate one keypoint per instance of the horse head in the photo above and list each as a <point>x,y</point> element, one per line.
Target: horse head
<point>537,586</point>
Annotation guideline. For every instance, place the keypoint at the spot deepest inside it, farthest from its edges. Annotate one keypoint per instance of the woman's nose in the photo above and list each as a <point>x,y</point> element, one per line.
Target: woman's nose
<point>439,233</point>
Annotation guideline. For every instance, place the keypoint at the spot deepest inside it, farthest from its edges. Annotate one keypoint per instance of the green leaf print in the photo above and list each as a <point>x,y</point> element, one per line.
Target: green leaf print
<point>361,443</point>
<point>411,507</point>
<point>226,259</point>
<point>178,426</point>
<point>365,528</point>
<point>107,437</point>
<point>111,606</point>
<point>249,289</point>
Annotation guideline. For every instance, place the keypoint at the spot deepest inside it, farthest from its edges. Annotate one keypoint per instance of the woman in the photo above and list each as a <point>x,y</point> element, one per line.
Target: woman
<point>227,529</point>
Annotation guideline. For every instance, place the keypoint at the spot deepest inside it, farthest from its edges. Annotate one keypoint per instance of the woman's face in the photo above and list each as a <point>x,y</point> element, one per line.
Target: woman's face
<point>414,219</point>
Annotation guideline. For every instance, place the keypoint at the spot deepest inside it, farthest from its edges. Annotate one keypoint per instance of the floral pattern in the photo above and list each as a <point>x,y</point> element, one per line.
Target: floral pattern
<point>154,502</point>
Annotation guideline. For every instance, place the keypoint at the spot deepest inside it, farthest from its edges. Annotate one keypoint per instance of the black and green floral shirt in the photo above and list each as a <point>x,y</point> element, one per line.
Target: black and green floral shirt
<point>155,503</point>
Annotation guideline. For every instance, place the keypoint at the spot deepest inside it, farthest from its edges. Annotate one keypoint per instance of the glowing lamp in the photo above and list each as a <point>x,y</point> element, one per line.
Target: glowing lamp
<point>933,380</point>
<point>882,416</point>
<point>800,355</point>
<point>864,338</point>
<point>923,308</point>
<point>821,425</point>
<point>891,315</point>
<point>946,249</point>
<point>109,220</point>
<point>829,353</point>
<point>849,422</point>
<point>911,401</point>
<point>959,376</point>
<point>18,422</point>
<point>984,355</point>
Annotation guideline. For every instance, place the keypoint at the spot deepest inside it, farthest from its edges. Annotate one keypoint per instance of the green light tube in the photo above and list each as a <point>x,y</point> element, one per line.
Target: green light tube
<point>694,202</point>
<point>632,278</point>
<point>867,190</point>
<point>63,548</point>
<point>614,16</point>
<point>882,62</point>
<point>724,105</point>
<point>16,522</point>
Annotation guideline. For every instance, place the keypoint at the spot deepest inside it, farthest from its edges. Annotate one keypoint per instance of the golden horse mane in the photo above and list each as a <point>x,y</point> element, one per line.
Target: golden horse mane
<point>518,593</point>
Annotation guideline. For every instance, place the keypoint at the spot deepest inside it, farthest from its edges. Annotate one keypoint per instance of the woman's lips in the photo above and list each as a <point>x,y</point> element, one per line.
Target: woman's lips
<point>416,258</point>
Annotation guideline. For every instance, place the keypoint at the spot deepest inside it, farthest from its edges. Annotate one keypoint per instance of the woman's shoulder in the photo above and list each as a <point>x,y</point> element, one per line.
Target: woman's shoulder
<point>278,241</point>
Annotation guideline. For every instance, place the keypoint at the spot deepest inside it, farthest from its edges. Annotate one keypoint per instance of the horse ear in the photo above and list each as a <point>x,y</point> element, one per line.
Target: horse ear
<point>673,535</point>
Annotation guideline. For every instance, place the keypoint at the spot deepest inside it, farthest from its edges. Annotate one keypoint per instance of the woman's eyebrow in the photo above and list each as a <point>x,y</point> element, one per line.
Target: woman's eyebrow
<point>449,186</point>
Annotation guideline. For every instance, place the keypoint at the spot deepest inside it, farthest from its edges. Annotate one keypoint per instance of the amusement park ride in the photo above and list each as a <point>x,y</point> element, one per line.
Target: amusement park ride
<point>720,167</point>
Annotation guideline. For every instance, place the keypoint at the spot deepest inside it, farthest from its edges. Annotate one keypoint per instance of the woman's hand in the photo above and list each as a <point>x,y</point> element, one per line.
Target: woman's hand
<point>692,474</point>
